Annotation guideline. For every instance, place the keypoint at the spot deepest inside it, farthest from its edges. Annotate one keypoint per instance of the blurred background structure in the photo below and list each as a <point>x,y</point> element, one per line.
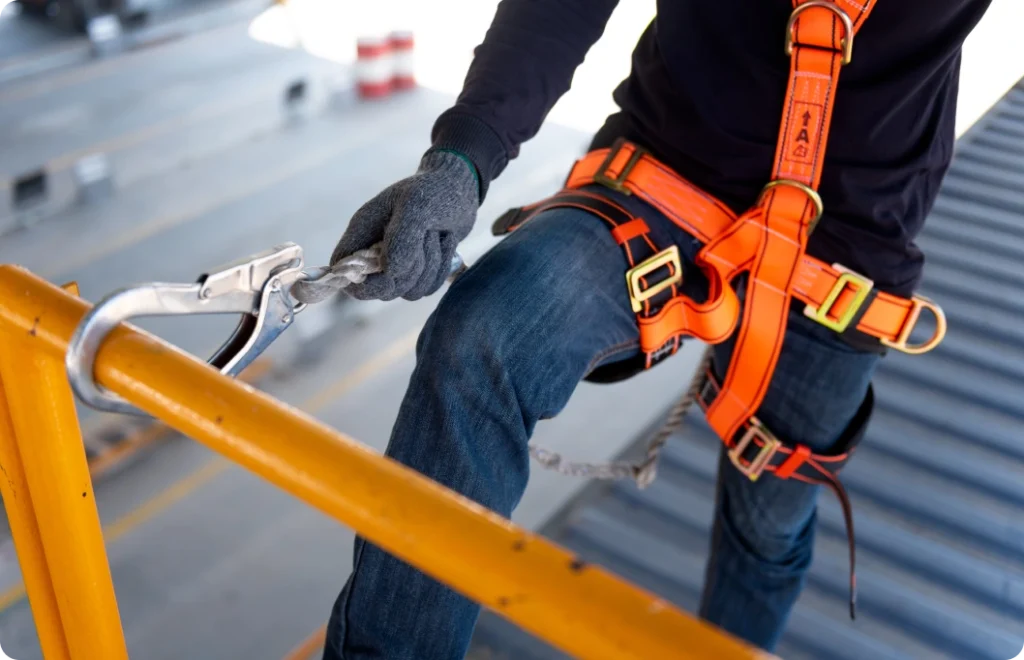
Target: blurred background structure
<point>145,140</point>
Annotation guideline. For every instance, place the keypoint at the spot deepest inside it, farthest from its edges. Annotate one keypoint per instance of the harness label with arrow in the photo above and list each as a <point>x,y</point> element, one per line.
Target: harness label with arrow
<point>804,133</point>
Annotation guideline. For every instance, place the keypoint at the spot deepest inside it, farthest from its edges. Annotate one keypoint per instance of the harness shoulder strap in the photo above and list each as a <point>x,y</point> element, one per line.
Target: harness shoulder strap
<point>772,236</point>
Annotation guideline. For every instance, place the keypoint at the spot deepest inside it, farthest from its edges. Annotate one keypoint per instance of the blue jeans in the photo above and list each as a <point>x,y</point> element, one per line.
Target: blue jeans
<point>506,347</point>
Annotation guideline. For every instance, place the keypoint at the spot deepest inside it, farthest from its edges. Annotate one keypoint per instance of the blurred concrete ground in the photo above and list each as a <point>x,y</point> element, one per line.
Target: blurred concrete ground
<point>209,561</point>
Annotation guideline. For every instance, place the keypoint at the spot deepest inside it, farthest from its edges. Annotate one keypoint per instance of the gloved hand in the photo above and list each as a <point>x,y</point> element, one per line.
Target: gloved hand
<point>420,221</point>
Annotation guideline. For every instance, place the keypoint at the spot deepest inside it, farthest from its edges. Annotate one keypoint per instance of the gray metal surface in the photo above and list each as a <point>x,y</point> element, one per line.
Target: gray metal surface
<point>937,487</point>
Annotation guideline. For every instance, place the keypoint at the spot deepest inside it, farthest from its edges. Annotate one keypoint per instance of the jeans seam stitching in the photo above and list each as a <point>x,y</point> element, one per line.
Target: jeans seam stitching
<point>348,599</point>
<point>612,350</point>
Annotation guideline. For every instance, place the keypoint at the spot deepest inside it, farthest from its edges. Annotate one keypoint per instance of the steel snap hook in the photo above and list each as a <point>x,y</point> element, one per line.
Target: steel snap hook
<point>267,289</point>
<point>257,287</point>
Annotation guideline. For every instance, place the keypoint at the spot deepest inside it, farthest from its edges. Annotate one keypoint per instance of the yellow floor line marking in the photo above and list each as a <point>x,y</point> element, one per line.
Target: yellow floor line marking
<point>199,208</point>
<point>164,500</point>
<point>306,647</point>
<point>11,596</point>
<point>394,352</point>
<point>188,484</point>
<point>123,141</point>
<point>138,136</point>
<point>140,515</point>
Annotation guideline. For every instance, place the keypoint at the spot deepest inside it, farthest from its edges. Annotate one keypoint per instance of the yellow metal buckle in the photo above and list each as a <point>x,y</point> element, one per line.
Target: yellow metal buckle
<point>835,9</point>
<point>901,343</point>
<point>637,294</point>
<point>862,287</point>
<point>819,206</point>
<point>618,183</point>
<point>756,466</point>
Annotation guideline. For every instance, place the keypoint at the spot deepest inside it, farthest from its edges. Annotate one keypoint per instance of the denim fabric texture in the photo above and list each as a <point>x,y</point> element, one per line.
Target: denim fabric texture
<point>505,348</point>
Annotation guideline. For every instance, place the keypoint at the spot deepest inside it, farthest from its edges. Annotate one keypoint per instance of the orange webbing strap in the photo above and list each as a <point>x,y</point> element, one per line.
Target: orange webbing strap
<point>631,170</point>
<point>755,450</point>
<point>836,297</point>
<point>772,236</point>
<point>653,276</point>
<point>662,318</point>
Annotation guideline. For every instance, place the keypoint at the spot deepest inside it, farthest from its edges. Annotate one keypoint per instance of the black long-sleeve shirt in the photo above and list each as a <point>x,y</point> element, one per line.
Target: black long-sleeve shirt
<point>705,95</point>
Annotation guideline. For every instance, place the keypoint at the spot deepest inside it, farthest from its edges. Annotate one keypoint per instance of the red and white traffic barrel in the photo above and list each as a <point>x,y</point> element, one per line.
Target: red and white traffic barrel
<point>373,67</point>
<point>403,75</point>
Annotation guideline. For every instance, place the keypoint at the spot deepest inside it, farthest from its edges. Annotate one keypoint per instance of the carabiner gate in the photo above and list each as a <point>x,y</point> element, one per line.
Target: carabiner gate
<point>256,287</point>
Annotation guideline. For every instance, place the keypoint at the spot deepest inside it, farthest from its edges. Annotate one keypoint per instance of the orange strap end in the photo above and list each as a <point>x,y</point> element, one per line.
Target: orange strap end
<point>793,463</point>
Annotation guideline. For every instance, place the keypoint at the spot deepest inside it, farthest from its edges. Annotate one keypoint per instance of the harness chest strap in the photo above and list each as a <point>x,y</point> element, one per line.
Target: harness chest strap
<point>834,296</point>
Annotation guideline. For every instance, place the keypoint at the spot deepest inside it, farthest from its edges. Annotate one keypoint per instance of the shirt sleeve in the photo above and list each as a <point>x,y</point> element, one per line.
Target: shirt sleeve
<point>524,65</point>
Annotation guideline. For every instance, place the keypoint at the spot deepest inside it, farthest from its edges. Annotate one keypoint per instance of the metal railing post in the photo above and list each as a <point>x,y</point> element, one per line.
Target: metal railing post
<point>25,533</point>
<point>45,423</point>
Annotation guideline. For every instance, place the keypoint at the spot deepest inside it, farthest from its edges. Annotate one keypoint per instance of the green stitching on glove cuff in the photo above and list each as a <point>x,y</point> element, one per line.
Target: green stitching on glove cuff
<point>472,167</point>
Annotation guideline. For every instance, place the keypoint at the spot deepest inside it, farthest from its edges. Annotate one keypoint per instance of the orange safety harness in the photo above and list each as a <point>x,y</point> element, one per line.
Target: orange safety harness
<point>769,241</point>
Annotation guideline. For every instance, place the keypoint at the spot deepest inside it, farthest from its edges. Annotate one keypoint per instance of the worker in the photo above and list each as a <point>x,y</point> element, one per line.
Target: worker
<point>724,176</point>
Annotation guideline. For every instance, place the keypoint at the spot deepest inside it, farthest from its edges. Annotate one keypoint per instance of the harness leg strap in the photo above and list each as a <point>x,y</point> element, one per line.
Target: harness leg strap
<point>754,450</point>
<point>653,278</point>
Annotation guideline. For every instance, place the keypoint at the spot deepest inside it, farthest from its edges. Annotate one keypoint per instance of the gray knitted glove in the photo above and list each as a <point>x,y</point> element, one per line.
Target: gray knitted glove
<point>420,221</point>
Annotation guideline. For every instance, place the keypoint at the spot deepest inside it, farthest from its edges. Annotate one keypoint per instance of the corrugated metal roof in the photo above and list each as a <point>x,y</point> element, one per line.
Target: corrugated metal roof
<point>937,486</point>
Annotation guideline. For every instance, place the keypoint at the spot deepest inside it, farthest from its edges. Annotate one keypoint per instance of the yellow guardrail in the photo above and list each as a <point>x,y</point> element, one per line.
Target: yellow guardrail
<point>47,490</point>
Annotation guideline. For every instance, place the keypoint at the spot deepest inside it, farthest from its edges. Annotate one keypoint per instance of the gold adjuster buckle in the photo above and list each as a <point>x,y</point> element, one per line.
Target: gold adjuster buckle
<point>861,286</point>
<point>753,469</point>
<point>637,294</point>
<point>901,343</point>
<point>835,9</point>
<point>618,183</point>
<point>819,206</point>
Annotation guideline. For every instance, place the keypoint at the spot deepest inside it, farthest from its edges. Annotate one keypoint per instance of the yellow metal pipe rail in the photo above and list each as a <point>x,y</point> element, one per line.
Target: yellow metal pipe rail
<point>27,541</point>
<point>53,456</point>
<point>579,608</point>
